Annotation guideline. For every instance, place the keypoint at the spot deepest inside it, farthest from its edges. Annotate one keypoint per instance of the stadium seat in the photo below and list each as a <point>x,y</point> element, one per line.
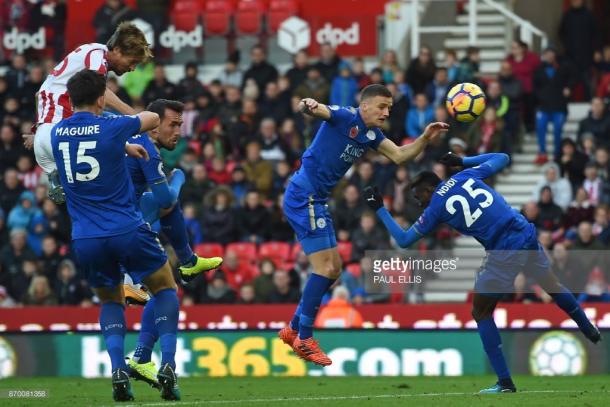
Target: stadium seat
<point>278,252</point>
<point>280,10</point>
<point>296,249</point>
<point>249,17</point>
<point>345,251</point>
<point>185,21</point>
<point>185,14</point>
<point>209,250</point>
<point>354,269</point>
<point>217,17</point>
<point>246,251</point>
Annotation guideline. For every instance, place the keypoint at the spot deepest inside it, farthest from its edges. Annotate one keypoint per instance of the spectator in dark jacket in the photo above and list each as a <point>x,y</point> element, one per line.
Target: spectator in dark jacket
<point>17,75</point>
<point>579,37</point>
<point>283,292</point>
<point>275,104</point>
<point>190,84</point>
<point>421,70</point>
<point>281,231</point>
<point>348,212</point>
<point>108,17</point>
<point>315,86</point>
<point>159,87</point>
<point>551,215</point>
<point>328,64</point>
<point>298,73</point>
<point>552,82</point>
<point>572,163</point>
<point>253,219</point>
<point>69,287</point>
<point>219,291</point>
<point>197,186</point>
<point>596,123</point>
<point>50,258</point>
<point>398,114</point>
<point>218,222</point>
<point>260,70</point>
<point>368,237</point>
<point>10,190</point>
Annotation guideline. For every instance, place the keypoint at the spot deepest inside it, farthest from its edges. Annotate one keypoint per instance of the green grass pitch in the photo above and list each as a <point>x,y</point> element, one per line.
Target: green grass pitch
<point>328,391</point>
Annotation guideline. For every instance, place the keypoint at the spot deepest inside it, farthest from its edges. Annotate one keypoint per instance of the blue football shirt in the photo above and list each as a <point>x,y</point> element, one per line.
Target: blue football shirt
<point>144,173</point>
<point>473,208</point>
<point>90,154</point>
<point>340,141</point>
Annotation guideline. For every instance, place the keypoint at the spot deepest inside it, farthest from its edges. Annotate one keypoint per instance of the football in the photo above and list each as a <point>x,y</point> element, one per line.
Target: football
<point>558,353</point>
<point>465,102</point>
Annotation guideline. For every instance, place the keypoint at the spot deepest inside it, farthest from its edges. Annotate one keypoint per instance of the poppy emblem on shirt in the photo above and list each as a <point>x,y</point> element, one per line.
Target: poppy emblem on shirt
<point>353,132</point>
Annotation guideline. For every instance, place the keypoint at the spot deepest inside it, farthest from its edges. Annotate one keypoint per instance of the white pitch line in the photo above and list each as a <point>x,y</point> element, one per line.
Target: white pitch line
<point>332,398</point>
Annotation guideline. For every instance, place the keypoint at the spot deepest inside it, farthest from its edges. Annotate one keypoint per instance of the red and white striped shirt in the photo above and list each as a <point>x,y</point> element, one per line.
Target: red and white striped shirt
<point>53,100</point>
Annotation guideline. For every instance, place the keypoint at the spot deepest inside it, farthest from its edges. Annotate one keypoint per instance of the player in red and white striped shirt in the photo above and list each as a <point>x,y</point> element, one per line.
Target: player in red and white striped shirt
<point>124,50</point>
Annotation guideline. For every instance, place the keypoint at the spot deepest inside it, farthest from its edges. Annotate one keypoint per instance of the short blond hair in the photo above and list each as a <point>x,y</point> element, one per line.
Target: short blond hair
<point>131,41</point>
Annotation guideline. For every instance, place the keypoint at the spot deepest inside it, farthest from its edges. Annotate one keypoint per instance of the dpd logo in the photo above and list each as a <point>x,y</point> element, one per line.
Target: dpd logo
<point>176,40</point>
<point>338,36</point>
<point>19,41</point>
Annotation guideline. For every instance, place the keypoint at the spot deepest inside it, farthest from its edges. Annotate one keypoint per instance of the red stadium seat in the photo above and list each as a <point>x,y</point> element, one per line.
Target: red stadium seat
<point>280,10</point>
<point>278,252</point>
<point>188,6</point>
<point>354,269</point>
<point>249,17</point>
<point>345,251</point>
<point>209,250</point>
<point>245,251</point>
<point>185,21</point>
<point>296,249</point>
<point>217,17</point>
<point>185,14</point>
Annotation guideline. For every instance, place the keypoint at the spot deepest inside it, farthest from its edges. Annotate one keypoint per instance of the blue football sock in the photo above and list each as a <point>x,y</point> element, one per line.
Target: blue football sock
<point>148,334</point>
<point>166,321</point>
<point>315,289</point>
<point>490,336</point>
<point>174,228</point>
<point>294,323</point>
<point>112,323</point>
<point>567,302</point>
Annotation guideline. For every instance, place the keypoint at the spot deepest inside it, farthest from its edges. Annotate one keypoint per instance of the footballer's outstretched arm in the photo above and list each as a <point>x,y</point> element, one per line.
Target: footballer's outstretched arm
<point>374,200</point>
<point>114,103</point>
<point>404,238</point>
<point>402,154</point>
<point>313,108</point>
<point>497,161</point>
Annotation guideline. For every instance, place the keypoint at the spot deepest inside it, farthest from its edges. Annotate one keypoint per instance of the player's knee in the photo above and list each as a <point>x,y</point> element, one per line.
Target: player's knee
<point>481,313</point>
<point>106,295</point>
<point>161,279</point>
<point>332,269</point>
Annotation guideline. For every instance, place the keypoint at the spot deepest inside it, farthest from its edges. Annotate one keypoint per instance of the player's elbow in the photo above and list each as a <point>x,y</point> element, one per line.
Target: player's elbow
<point>403,241</point>
<point>504,159</point>
<point>166,201</point>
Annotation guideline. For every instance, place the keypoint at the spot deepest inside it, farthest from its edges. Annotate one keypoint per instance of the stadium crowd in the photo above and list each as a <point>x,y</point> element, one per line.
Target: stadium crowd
<point>243,136</point>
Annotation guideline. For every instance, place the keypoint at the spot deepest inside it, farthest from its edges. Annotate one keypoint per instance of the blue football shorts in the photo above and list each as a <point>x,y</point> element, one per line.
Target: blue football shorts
<point>309,217</point>
<point>522,253</point>
<point>139,251</point>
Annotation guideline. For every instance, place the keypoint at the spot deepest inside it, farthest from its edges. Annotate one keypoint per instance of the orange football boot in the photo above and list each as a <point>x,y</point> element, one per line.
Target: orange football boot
<point>288,335</point>
<point>309,350</point>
